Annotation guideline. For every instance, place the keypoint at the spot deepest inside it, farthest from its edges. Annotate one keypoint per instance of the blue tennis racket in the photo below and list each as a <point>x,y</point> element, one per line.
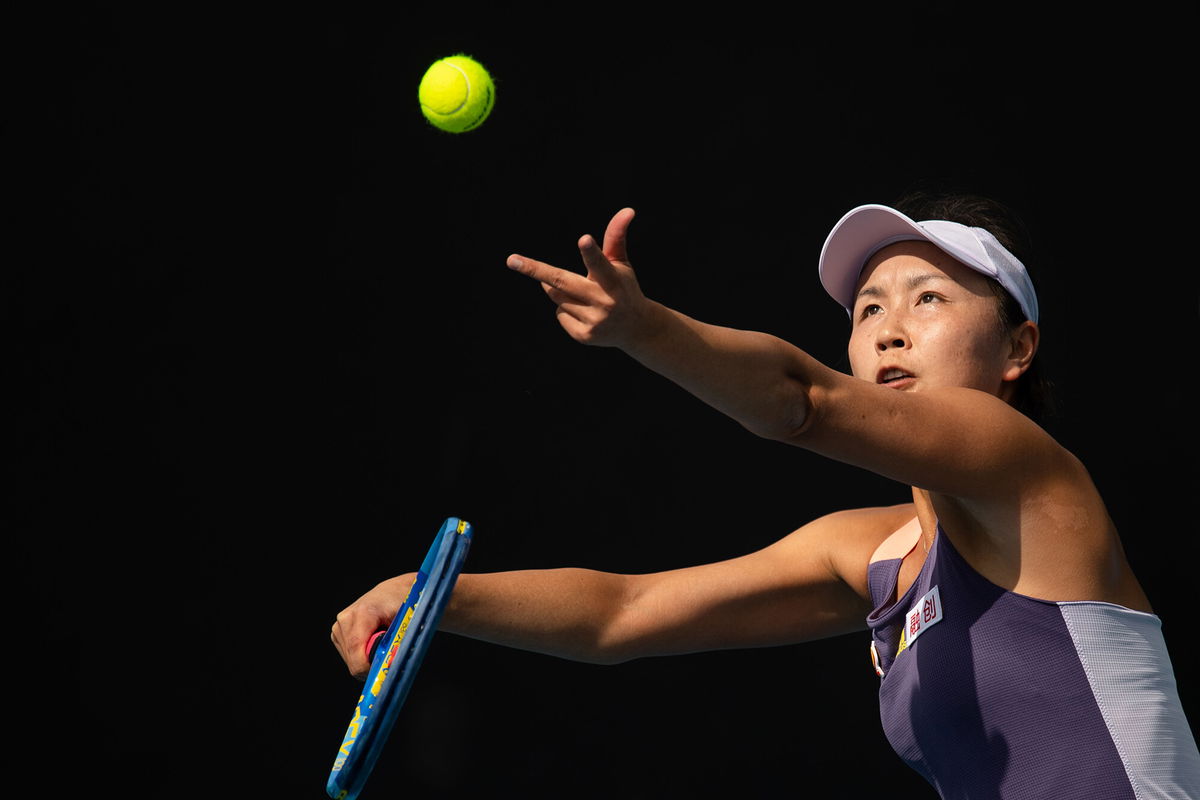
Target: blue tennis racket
<point>397,656</point>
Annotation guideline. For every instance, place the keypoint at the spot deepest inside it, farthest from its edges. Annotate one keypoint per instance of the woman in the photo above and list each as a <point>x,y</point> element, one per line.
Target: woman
<point>1017,653</point>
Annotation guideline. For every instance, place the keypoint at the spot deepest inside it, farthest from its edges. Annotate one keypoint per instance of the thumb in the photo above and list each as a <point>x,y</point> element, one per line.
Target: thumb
<point>616,236</point>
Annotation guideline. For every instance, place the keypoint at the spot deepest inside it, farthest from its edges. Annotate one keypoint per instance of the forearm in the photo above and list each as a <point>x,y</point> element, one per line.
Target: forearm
<point>561,612</point>
<point>757,379</point>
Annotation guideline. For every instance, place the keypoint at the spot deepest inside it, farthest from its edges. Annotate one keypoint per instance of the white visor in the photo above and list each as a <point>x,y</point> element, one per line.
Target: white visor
<point>867,229</point>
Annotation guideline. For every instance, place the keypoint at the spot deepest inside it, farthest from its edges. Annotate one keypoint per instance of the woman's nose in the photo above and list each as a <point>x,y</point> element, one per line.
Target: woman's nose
<point>891,339</point>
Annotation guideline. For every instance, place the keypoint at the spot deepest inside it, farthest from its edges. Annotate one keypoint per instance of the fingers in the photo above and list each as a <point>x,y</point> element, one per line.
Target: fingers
<point>591,307</point>
<point>372,612</point>
<point>578,322</point>
<point>598,260</point>
<point>560,280</point>
<point>350,646</point>
<point>599,268</point>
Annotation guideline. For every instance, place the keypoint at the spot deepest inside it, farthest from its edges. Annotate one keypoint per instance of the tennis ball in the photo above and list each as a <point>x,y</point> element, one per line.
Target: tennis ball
<point>457,94</point>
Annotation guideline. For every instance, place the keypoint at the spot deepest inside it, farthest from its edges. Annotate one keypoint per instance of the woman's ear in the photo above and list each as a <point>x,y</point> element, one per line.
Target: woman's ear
<point>1024,347</point>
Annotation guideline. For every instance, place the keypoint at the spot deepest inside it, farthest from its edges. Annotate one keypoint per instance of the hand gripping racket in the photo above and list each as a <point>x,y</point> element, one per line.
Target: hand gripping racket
<point>396,657</point>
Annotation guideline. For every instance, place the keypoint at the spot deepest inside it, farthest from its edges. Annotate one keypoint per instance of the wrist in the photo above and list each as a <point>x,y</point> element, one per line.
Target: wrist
<point>650,329</point>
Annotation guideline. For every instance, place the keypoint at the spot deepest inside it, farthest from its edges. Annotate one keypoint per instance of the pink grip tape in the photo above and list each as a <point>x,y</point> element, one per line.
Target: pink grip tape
<point>371,643</point>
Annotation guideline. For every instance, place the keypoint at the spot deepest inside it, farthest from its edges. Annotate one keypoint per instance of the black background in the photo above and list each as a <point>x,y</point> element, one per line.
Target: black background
<point>267,343</point>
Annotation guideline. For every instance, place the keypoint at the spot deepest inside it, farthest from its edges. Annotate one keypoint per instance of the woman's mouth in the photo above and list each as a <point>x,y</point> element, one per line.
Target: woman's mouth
<point>895,378</point>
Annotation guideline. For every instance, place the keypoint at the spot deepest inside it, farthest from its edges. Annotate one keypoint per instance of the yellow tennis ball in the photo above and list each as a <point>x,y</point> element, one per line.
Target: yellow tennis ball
<point>457,94</point>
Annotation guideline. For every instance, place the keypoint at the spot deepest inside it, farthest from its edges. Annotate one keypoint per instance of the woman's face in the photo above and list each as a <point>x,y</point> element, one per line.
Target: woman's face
<point>923,320</point>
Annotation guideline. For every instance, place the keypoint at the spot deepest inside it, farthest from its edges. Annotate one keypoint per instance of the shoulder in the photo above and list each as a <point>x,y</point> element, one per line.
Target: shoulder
<point>866,521</point>
<point>850,537</point>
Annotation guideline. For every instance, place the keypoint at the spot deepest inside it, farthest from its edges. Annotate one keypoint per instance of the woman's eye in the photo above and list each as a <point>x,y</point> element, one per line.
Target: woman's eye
<point>871,310</point>
<point>928,297</point>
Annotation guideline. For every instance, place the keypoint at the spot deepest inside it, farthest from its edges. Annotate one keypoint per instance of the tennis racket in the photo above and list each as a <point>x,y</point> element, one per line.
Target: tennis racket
<point>396,656</point>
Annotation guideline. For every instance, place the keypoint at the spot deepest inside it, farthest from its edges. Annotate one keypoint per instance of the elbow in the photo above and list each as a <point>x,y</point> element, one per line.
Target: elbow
<point>612,646</point>
<point>600,651</point>
<point>792,417</point>
<point>623,635</point>
<point>795,395</point>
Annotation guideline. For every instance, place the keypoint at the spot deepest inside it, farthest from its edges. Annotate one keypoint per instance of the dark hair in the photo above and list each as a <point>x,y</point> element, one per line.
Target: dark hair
<point>1034,393</point>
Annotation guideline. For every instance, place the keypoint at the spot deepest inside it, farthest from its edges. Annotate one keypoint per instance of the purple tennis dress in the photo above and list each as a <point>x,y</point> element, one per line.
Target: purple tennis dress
<point>995,695</point>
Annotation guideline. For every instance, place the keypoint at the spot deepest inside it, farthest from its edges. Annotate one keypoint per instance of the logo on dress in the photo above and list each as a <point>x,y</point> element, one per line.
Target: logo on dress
<point>925,614</point>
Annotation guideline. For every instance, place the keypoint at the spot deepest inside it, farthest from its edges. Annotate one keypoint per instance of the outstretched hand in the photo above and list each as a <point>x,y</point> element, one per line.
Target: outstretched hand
<point>605,306</point>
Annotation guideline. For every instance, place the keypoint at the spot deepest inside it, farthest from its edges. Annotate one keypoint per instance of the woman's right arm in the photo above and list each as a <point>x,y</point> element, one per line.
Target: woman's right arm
<point>809,585</point>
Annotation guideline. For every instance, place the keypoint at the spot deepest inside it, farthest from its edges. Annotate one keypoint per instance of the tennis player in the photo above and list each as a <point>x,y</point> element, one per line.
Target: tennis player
<point>1017,654</point>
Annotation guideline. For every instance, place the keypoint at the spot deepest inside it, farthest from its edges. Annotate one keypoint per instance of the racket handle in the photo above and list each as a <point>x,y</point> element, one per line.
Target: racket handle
<point>370,648</point>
